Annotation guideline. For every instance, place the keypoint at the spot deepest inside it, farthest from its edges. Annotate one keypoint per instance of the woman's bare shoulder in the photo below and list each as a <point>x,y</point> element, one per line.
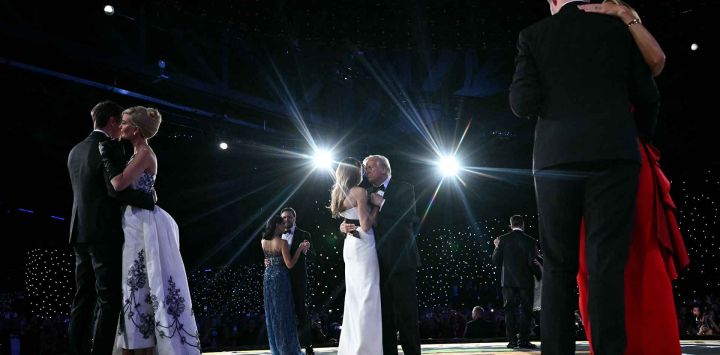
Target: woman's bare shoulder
<point>358,191</point>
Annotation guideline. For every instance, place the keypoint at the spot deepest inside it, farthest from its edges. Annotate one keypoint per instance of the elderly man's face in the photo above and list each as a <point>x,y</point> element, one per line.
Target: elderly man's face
<point>376,173</point>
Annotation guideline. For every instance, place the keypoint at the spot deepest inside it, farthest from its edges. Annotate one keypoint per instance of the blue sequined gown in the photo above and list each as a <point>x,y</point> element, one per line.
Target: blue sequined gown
<point>157,310</point>
<point>279,307</point>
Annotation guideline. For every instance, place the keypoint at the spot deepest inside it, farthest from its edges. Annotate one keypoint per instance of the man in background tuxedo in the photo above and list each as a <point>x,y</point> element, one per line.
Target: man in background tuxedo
<point>398,254</point>
<point>298,277</point>
<point>96,237</point>
<point>579,74</point>
<point>516,255</point>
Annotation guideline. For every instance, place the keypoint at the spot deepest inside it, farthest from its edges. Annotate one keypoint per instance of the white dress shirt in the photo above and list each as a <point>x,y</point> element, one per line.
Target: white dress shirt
<point>289,236</point>
<point>101,131</point>
<point>382,193</point>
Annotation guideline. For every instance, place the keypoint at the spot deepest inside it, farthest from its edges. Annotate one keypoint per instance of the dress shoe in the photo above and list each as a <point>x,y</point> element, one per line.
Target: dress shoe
<point>511,345</point>
<point>527,345</point>
<point>309,351</point>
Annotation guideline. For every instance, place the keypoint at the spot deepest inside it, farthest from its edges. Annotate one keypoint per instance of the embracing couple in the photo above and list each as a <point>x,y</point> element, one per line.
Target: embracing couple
<point>381,258</point>
<point>132,293</point>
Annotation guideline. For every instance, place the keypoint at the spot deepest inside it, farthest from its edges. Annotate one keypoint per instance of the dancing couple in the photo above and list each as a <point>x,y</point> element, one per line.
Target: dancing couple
<point>127,254</point>
<point>381,258</point>
<point>607,221</point>
<point>380,274</point>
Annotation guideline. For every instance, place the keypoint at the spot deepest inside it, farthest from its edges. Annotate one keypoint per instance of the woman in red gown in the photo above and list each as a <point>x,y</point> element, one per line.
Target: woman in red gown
<point>657,251</point>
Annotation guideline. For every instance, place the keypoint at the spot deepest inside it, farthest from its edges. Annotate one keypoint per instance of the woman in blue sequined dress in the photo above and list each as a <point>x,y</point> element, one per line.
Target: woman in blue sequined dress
<point>277,295</point>
<point>157,315</point>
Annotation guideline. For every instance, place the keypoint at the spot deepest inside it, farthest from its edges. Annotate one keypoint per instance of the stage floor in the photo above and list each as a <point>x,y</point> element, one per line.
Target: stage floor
<point>689,347</point>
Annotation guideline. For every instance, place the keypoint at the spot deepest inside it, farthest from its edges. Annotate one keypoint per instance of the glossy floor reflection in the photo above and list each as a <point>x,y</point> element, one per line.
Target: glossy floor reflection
<point>689,347</point>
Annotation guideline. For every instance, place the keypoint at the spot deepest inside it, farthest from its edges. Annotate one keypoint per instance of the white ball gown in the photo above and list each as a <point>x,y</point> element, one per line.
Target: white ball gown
<point>361,332</point>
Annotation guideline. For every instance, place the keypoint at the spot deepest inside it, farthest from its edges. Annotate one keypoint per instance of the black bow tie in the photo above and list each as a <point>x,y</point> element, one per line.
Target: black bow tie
<point>287,231</point>
<point>379,188</point>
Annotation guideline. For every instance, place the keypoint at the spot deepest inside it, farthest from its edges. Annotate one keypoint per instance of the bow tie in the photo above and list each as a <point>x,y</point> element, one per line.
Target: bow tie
<point>287,231</point>
<point>378,188</point>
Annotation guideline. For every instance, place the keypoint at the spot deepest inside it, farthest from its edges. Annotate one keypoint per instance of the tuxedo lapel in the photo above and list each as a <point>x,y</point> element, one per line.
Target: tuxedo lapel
<point>297,239</point>
<point>389,189</point>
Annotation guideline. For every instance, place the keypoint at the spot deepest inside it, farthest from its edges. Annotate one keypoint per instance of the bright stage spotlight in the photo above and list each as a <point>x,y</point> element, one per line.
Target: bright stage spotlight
<point>223,146</point>
<point>322,159</point>
<point>449,166</point>
<point>109,10</point>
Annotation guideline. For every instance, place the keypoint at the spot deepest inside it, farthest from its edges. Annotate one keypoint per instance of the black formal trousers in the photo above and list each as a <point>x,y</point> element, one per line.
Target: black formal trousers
<point>98,298</point>
<point>398,297</point>
<point>518,309</point>
<point>299,291</point>
<point>603,193</point>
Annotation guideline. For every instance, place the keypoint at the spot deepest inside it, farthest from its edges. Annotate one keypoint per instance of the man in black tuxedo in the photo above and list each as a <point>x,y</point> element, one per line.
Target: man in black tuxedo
<point>516,255</point>
<point>96,237</point>
<point>298,277</point>
<point>581,75</point>
<point>398,254</point>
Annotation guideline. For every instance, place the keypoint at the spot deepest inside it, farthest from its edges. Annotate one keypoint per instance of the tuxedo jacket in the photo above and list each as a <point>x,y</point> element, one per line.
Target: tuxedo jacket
<point>394,228</point>
<point>96,213</point>
<point>582,75</point>
<point>515,255</point>
<point>298,274</point>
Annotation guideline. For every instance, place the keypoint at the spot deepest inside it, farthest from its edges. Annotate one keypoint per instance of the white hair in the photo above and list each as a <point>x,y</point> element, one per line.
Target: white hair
<point>383,160</point>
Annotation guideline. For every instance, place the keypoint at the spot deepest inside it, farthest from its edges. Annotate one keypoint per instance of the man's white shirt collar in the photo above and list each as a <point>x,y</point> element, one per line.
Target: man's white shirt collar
<point>289,236</point>
<point>101,131</point>
<point>387,181</point>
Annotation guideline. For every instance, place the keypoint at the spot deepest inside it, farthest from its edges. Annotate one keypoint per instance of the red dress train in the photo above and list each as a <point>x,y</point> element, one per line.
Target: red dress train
<point>657,252</point>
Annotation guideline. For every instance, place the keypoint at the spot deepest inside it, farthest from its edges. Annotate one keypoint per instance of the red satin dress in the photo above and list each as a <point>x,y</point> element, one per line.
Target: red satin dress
<point>657,253</point>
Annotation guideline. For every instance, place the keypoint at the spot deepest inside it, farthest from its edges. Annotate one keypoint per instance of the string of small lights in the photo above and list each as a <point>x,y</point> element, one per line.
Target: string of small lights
<point>457,271</point>
<point>49,282</point>
<point>697,203</point>
<point>457,266</point>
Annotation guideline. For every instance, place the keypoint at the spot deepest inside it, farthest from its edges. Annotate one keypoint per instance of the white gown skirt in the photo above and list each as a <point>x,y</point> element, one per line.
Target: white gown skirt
<point>361,332</point>
<point>157,310</point>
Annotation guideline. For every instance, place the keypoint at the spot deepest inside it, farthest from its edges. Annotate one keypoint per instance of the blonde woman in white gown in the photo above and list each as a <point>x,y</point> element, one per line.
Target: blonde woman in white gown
<point>362,321</point>
<point>157,315</point>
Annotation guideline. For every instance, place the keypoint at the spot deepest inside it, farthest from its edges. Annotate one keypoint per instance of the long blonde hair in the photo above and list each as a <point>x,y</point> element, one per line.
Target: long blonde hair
<point>347,175</point>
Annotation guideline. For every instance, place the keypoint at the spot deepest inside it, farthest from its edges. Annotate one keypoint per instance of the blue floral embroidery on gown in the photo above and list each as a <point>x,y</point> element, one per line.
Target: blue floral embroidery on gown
<point>141,306</point>
<point>145,182</point>
<point>133,310</point>
<point>279,308</point>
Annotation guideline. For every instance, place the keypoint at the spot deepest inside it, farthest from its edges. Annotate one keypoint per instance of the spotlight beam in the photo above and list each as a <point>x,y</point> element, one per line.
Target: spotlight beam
<point>449,166</point>
<point>323,159</point>
<point>252,219</point>
<point>409,113</point>
<point>462,137</point>
<point>429,205</point>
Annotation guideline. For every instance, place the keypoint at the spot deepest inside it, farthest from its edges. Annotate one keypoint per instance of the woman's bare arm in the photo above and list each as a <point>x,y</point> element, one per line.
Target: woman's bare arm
<point>649,47</point>
<point>289,262</point>
<point>366,212</point>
